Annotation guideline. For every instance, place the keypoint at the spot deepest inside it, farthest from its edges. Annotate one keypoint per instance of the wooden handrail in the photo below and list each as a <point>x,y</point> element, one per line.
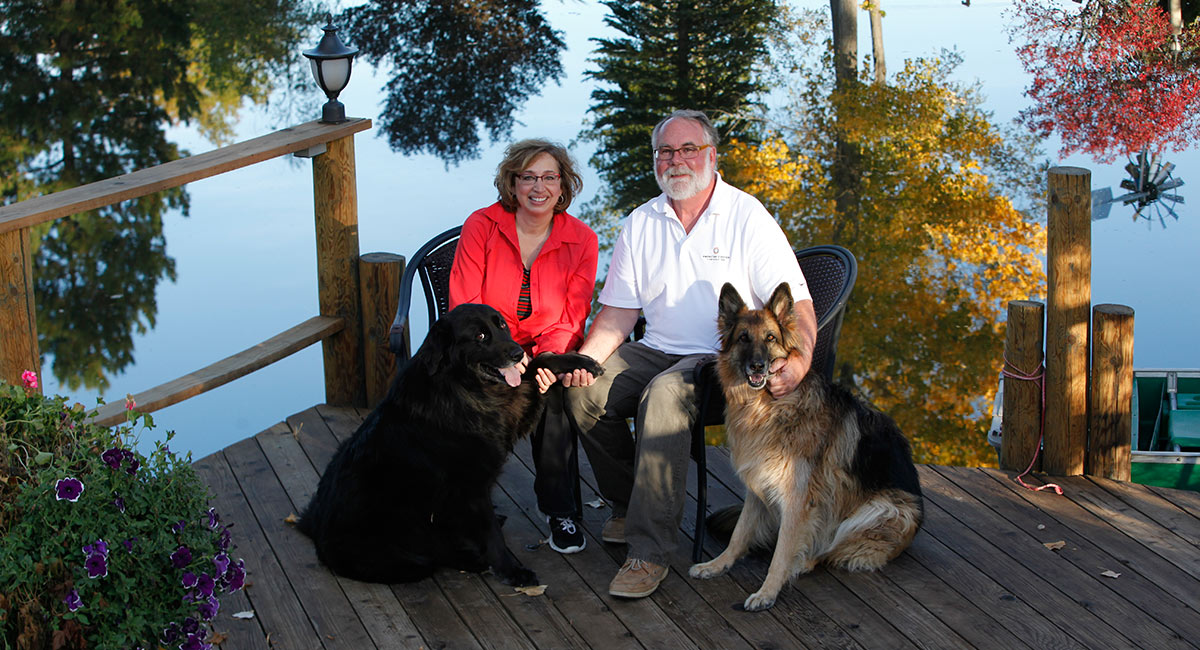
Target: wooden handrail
<point>224,371</point>
<point>173,174</point>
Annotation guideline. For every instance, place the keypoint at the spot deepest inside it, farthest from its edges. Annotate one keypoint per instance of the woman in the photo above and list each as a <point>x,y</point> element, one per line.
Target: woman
<point>536,264</point>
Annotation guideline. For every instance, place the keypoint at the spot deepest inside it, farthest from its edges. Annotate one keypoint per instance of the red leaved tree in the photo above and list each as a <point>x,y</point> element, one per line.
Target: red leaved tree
<point>1108,75</point>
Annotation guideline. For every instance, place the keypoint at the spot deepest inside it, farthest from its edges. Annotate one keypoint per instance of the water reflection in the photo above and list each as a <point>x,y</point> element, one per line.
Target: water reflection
<point>96,277</point>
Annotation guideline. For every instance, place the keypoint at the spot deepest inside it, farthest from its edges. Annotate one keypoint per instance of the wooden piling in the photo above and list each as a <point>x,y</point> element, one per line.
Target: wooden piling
<point>1111,417</point>
<point>1068,307</point>
<point>18,320</point>
<point>336,214</point>
<point>1022,397</point>
<point>379,278</point>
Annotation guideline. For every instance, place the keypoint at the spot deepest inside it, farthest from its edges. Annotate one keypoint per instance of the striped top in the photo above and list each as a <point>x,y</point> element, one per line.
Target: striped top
<point>524,304</point>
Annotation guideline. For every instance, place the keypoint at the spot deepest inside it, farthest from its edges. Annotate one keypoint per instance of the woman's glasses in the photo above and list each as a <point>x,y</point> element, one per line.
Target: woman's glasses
<point>547,179</point>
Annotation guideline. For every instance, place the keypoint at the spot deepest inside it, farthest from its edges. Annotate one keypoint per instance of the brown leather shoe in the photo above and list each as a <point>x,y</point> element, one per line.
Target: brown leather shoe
<point>614,530</point>
<point>637,579</point>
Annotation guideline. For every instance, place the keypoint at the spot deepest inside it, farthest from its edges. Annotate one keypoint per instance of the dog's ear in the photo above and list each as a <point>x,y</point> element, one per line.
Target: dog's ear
<point>727,310</point>
<point>437,345</point>
<point>781,303</point>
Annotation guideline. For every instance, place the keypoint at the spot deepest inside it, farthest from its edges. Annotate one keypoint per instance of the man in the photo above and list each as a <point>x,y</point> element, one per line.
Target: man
<point>669,262</point>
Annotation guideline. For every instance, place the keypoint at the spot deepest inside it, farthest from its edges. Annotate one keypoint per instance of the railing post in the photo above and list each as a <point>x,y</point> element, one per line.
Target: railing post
<point>1109,436</point>
<point>379,276</point>
<point>18,320</point>
<point>1022,397</point>
<point>1069,296</point>
<point>336,215</point>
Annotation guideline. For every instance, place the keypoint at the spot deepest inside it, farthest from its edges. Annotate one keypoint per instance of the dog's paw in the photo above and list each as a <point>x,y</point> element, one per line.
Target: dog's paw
<point>518,577</point>
<point>706,570</point>
<point>758,601</point>
<point>567,362</point>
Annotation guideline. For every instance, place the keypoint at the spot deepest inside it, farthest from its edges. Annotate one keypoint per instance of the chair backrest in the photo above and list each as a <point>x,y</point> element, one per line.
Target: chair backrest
<point>432,264</point>
<point>830,272</point>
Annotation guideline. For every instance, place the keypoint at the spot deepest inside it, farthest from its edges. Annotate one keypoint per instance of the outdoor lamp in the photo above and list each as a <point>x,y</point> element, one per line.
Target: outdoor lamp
<point>330,62</point>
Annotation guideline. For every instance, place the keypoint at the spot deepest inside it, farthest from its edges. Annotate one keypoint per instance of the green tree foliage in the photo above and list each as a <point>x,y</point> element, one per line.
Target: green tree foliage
<point>456,66</point>
<point>87,89</point>
<point>709,55</point>
<point>941,244</point>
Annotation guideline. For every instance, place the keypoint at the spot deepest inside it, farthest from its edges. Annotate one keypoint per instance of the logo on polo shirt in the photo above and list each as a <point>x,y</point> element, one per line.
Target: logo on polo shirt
<point>715,256</point>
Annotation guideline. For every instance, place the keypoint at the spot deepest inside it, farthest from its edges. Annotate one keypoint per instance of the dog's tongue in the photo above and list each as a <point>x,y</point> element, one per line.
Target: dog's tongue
<point>511,375</point>
<point>757,379</point>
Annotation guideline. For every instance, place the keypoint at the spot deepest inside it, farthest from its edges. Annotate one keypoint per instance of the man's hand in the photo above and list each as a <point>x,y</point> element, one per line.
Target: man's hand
<point>578,378</point>
<point>786,374</point>
<point>522,364</point>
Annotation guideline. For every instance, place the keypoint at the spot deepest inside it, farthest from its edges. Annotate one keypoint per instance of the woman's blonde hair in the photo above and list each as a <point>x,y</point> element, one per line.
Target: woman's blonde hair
<point>517,158</point>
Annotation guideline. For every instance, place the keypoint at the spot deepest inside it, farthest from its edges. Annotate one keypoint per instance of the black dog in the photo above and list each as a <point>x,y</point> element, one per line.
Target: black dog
<point>411,490</point>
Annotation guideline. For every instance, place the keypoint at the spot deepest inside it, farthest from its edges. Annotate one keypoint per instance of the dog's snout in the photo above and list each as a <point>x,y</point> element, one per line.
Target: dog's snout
<point>757,365</point>
<point>516,353</point>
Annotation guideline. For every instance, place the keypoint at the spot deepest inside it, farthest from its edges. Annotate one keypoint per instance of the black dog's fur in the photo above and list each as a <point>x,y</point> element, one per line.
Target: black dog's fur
<point>411,490</point>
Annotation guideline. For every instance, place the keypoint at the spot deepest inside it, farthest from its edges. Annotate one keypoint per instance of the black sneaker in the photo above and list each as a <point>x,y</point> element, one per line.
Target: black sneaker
<point>565,535</point>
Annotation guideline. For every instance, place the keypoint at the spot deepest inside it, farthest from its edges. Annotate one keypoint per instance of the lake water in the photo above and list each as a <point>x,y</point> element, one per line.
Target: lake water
<point>246,257</point>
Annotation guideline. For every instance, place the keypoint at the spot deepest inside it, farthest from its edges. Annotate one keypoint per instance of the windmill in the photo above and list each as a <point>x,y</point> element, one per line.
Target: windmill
<point>1148,181</point>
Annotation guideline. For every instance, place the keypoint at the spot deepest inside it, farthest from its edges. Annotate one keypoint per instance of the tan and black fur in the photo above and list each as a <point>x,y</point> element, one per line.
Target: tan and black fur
<point>828,479</point>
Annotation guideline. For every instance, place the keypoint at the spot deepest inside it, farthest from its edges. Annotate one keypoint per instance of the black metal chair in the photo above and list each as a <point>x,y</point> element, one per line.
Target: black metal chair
<point>432,263</point>
<point>830,272</point>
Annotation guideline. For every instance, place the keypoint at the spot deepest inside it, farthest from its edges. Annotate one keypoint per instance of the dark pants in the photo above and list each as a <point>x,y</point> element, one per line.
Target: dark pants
<point>556,460</point>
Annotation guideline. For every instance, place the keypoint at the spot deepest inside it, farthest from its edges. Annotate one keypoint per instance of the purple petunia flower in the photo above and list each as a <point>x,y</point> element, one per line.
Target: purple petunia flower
<point>112,457</point>
<point>190,625</point>
<point>73,601</point>
<point>205,585</point>
<point>120,504</point>
<point>99,546</point>
<point>96,565</point>
<point>221,562</point>
<point>195,642</point>
<point>178,526</point>
<point>208,609</point>
<point>68,489</point>
<point>134,464</point>
<point>236,576</point>
<point>129,544</point>
<point>188,580</point>
<point>213,518</point>
<point>171,634</point>
<point>224,540</point>
<point>181,557</point>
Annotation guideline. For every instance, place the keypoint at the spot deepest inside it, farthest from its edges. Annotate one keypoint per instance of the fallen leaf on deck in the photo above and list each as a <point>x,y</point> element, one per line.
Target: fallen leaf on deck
<point>1054,546</point>
<point>217,638</point>
<point>597,504</point>
<point>1110,574</point>
<point>291,519</point>
<point>249,613</point>
<point>535,590</point>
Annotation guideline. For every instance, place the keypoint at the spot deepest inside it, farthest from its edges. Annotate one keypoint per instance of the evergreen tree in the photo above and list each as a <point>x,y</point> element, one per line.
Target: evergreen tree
<point>456,66</point>
<point>708,55</point>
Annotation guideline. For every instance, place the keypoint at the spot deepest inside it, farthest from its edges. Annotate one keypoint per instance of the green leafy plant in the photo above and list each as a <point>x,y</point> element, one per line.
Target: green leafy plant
<point>104,547</point>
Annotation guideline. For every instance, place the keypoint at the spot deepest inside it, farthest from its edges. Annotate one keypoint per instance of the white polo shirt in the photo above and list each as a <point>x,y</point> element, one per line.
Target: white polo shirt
<point>675,278</point>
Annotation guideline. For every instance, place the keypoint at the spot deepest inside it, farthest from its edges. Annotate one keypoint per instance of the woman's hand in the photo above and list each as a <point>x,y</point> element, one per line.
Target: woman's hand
<point>577,378</point>
<point>522,364</point>
<point>545,379</point>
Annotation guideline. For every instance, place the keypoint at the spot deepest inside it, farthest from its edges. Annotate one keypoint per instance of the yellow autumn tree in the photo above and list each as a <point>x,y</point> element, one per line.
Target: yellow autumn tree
<point>945,225</point>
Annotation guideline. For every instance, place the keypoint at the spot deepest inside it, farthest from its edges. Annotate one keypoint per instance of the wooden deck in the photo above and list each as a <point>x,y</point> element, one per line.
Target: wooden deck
<point>978,575</point>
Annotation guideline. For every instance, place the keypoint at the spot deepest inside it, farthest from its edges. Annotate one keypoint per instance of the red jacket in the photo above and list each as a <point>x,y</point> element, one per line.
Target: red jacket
<point>487,269</point>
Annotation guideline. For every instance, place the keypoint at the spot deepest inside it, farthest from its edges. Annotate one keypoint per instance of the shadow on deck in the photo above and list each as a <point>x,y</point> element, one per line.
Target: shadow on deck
<point>978,575</point>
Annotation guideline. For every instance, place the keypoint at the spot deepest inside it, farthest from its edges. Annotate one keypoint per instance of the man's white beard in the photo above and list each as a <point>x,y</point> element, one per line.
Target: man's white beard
<point>682,189</point>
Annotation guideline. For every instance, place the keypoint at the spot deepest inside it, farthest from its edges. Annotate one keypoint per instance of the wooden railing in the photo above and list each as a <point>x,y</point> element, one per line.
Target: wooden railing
<point>339,326</point>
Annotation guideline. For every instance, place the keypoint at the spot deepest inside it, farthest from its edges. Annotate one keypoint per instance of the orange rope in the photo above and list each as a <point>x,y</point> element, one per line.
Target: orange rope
<point>1040,377</point>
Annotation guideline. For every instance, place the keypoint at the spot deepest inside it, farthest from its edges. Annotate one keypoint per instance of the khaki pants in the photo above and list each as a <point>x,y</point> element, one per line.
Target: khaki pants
<point>644,479</point>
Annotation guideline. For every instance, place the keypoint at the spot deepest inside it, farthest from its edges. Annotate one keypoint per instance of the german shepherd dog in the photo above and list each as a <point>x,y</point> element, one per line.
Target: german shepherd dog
<point>828,479</point>
<point>411,490</point>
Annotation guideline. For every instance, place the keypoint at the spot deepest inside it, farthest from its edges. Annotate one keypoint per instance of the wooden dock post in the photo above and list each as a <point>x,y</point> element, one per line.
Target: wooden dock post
<point>336,215</point>
<point>1069,296</point>
<point>1022,398</point>
<point>379,277</point>
<point>18,320</point>
<point>1111,419</point>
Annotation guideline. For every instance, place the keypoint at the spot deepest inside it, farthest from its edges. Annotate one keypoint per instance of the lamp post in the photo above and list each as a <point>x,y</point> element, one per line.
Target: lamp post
<point>330,61</point>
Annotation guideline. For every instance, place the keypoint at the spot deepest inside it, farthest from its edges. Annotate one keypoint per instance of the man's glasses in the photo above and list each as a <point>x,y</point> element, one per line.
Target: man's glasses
<point>686,152</point>
<point>530,179</point>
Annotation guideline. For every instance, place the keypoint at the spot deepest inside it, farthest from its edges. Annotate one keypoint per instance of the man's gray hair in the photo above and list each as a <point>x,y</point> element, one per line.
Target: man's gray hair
<point>710,131</point>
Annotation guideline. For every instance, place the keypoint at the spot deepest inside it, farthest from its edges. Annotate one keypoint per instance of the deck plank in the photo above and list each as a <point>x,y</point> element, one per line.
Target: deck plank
<point>377,608</point>
<point>320,595</point>
<point>976,576</point>
<point>959,521</point>
<point>1084,536</point>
